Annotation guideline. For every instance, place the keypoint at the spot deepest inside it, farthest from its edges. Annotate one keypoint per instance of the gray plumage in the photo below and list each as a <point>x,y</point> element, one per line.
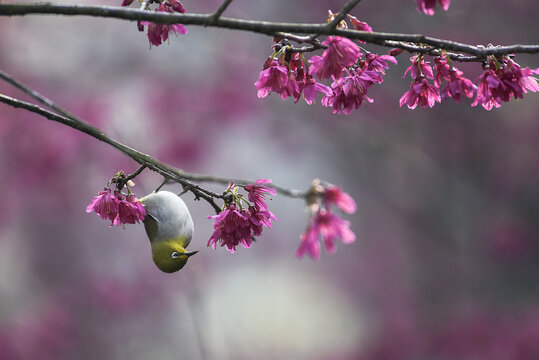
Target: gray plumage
<point>167,217</point>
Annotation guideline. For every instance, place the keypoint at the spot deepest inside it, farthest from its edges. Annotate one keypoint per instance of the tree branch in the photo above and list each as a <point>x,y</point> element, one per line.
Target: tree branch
<point>265,27</point>
<point>342,13</point>
<point>215,16</point>
<point>34,94</point>
<point>168,172</point>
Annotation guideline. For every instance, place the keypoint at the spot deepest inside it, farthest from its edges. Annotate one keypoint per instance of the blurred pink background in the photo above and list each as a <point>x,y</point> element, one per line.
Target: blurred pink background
<point>446,262</point>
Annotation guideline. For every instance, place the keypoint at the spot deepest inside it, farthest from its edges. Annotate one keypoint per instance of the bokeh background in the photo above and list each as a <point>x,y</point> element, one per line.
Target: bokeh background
<point>446,262</point>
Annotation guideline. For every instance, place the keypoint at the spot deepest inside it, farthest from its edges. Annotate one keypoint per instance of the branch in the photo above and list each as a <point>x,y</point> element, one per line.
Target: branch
<point>34,94</point>
<point>168,172</point>
<point>215,16</point>
<point>262,27</point>
<point>145,160</point>
<point>429,50</point>
<point>342,13</point>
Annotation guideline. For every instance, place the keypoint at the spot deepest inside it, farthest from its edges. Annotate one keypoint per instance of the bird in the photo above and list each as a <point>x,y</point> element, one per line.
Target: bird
<point>170,228</point>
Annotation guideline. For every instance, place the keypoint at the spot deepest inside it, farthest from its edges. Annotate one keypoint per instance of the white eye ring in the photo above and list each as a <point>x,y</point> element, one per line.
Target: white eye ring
<point>175,255</point>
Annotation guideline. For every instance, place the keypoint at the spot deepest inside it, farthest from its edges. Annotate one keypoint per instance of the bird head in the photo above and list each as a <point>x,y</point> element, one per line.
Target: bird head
<point>170,256</point>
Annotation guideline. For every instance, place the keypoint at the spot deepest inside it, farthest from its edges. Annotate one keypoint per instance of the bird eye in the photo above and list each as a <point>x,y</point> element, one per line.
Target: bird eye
<point>175,255</point>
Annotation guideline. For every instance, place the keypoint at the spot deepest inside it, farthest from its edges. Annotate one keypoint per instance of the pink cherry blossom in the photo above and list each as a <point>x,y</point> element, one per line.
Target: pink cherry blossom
<point>309,87</point>
<point>360,25</point>
<point>292,87</point>
<point>379,62</point>
<point>258,192</point>
<point>259,218</point>
<point>117,208</point>
<point>231,228</point>
<point>341,53</point>
<point>329,227</point>
<point>105,205</point>
<point>158,33</point>
<point>427,6</point>
<point>309,243</point>
<point>419,67</point>
<point>333,195</point>
<point>509,80</point>
<point>489,90</point>
<point>458,85</point>
<point>421,93</point>
<point>442,70</point>
<point>527,81</point>
<point>274,78</point>
<point>176,6</point>
<point>348,93</point>
<point>130,211</point>
<point>517,80</point>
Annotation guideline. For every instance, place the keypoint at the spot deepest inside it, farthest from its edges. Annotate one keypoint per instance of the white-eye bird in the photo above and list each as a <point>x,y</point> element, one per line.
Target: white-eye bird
<point>169,227</point>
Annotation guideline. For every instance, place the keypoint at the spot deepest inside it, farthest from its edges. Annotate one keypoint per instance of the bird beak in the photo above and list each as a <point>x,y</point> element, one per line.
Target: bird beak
<point>189,254</point>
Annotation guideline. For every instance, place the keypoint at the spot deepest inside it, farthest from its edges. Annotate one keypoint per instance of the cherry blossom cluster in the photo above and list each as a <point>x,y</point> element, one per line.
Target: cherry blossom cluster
<point>352,70</point>
<point>502,79</point>
<point>116,206</point>
<point>242,219</point>
<point>324,223</point>
<point>159,33</point>
<point>427,6</point>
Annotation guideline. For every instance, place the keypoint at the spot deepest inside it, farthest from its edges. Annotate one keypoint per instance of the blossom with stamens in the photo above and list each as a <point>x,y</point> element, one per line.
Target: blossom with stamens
<point>348,93</point>
<point>117,207</point>
<point>274,77</point>
<point>458,85</point>
<point>258,192</point>
<point>517,80</point>
<point>421,93</point>
<point>130,210</point>
<point>442,70</point>
<point>489,90</point>
<point>309,87</point>
<point>159,33</point>
<point>105,205</point>
<point>231,228</point>
<point>419,67</point>
<point>259,218</point>
<point>379,62</point>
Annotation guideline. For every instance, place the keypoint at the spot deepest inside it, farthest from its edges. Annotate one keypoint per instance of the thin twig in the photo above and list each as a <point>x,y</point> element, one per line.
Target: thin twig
<point>429,50</point>
<point>135,174</point>
<point>34,94</point>
<point>215,16</point>
<point>301,39</point>
<point>169,172</point>
<point>165,181</point>
<point>342,13</point>
<point>262,27</point>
